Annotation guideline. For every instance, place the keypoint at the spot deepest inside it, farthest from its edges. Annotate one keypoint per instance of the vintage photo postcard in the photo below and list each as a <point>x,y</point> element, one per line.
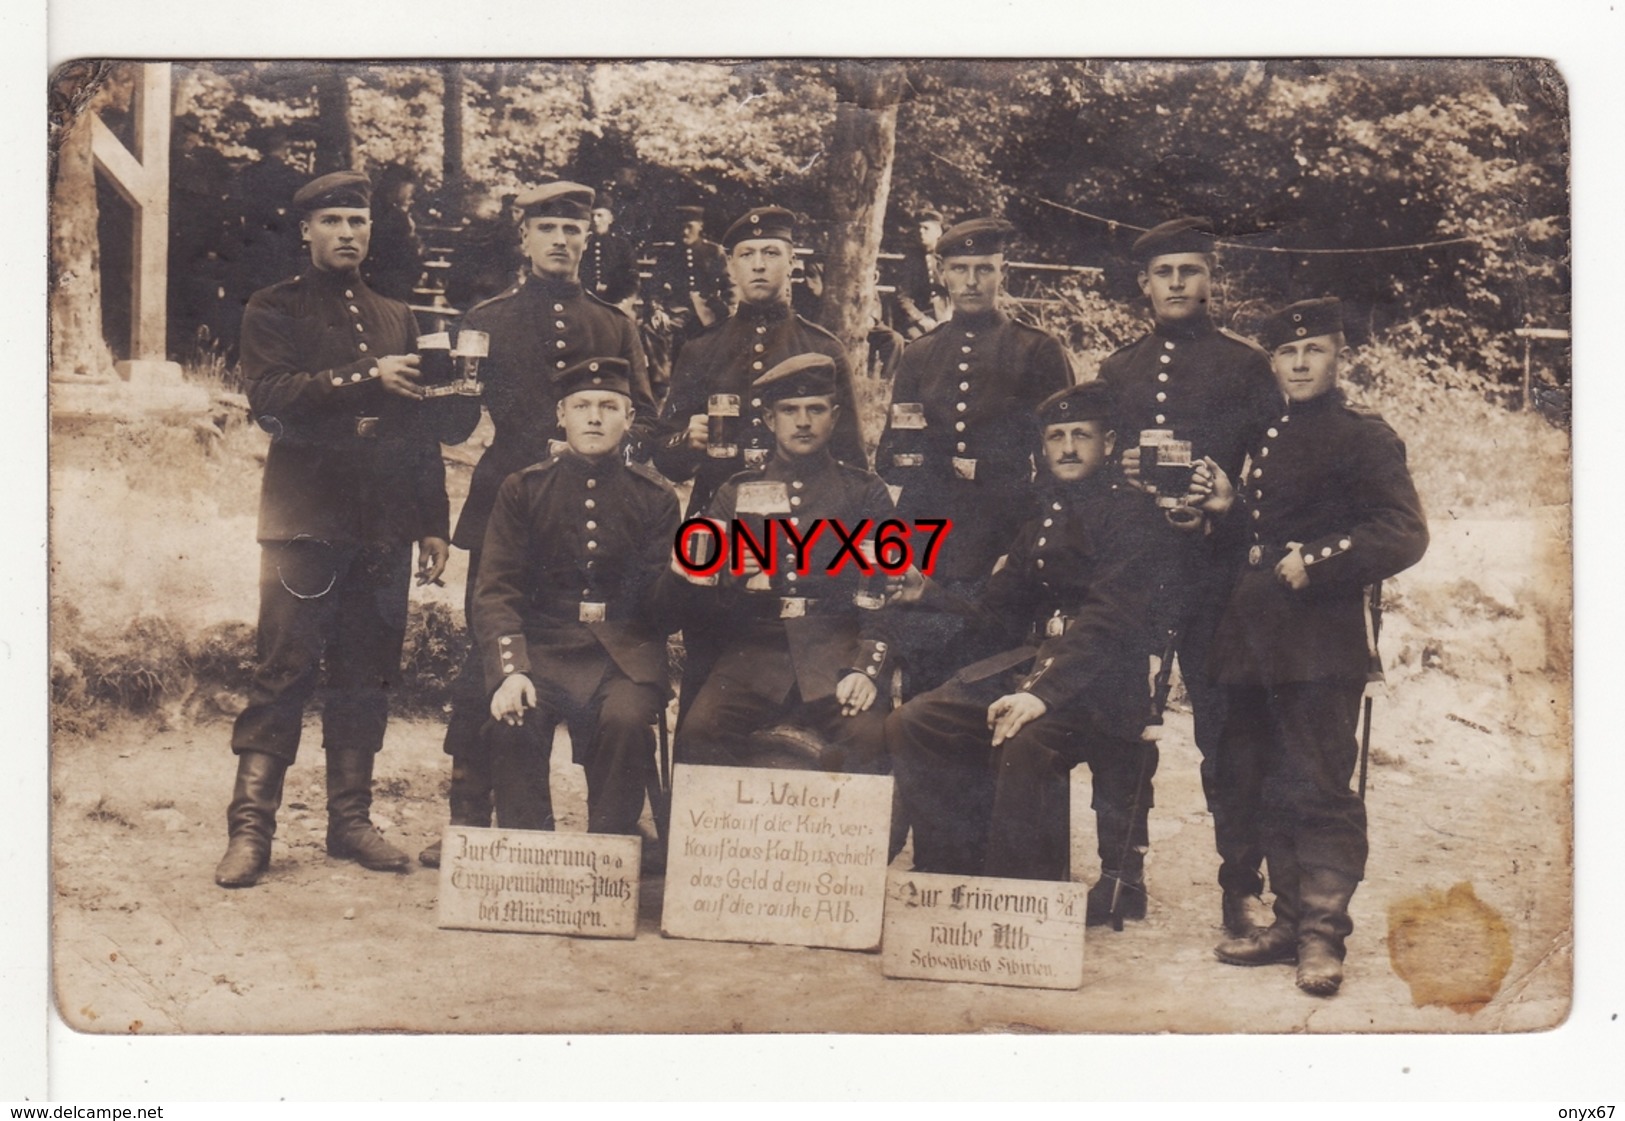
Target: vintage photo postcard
<point>811,546</point>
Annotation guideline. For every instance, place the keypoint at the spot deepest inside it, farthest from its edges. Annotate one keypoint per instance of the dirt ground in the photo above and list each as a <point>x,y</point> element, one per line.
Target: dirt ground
<point>1470,785</point>
<point>144,941</point>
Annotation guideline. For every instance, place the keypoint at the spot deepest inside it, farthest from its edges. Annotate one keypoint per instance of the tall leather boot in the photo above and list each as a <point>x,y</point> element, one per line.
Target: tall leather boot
<point>251,819</point>
<point>469,798</point>
<point>1277,943</point>
<point>1323,928</point>
<point>1119,894</point>
<point>351,834</point>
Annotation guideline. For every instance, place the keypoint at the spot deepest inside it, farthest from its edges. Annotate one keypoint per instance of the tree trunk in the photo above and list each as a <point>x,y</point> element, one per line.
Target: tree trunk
<point>862,148</point>
<point>452,176</point>
<point>335,139</point>
<point>77,345</point>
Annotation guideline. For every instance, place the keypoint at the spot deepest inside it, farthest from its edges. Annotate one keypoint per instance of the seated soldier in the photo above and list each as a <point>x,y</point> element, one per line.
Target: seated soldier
<point>567,612</point>
<point>983,761</point>
<point>796,647</point>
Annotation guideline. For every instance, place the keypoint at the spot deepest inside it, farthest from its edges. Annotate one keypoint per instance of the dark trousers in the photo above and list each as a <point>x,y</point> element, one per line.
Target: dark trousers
<point>716,730</point>
<point>1005,812</point>
<point>1292,748</point>
<point>338,607</point>
<point>613,738</point>
<point>470,699</point>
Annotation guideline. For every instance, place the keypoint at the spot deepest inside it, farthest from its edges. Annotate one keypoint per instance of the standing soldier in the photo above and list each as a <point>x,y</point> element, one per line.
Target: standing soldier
<point>690,287</point>
<point>982,762</point>
<point>1192,382</point>
<point>352,478</point>
<point>958,439</point>
<point>920,302</point>
<point>609,267</point>
<point>565,617</point>
<point>541,326</point>
<point>1327,511</point>
<point>794,647</point>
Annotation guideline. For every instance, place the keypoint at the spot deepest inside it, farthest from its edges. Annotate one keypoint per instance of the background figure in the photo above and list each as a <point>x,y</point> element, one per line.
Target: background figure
<point>396,262</point>
<point>920,301</point>
<point>201,241</point>
<point>487,259</point>
<point>609,267</point>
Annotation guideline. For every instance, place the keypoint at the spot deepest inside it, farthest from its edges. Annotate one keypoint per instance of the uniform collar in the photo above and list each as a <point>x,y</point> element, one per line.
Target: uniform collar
<point>551,287</point>
<point>577,464</point>
<point>803,467</point>
<point>1105,477</point>
<point>1198,327</point>
<point>763,313</point>
<point>335,280</point>
<point>1327,402</point>
<point>978,321</point>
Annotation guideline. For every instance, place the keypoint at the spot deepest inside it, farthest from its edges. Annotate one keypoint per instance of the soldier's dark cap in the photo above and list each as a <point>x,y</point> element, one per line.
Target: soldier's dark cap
<point>559,199</point>
<point>1305,319</point>
<point>804,375</point>
<point>762,222</point>
<point>1089,400</point>
<point>928,215</point>
<point>1179,235</point>
<point>690,213</point>
<point>978,237</point>
<point>337,188</point>
<point>613,375</point>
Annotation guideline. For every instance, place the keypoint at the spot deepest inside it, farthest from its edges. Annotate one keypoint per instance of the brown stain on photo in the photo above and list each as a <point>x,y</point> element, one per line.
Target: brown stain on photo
<point>1450,947</point>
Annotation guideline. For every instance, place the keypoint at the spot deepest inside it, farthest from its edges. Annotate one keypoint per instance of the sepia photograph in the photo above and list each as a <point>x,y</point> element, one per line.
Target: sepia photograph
<point>881,547</point>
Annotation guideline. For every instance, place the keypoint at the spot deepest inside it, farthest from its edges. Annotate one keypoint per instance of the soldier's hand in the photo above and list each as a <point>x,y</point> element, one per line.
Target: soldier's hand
<point>1211,489</point>
<point>432,555</point>
<point>1291,571</point>
<point>512,698</point>
<point>1011,713</point>
<point>699,432</point>
<point>1130,463</point>
<point>398,373</point>
<point>1151,674</point>
<point>907,588</point>
<point>856,692</point>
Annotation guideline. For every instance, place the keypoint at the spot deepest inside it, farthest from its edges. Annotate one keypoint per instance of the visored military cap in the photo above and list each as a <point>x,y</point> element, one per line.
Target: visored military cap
<point>1305,319</point>
<point>764,221</point>
<point>559,199</point>
<point>1089,400</point>
<point>804,375</point>
<point>976,238</point>
<point>928,215</point>
<point>690,213</point>
<point>1180,235</point>
<point>337,188</point>
<point>611,374</point>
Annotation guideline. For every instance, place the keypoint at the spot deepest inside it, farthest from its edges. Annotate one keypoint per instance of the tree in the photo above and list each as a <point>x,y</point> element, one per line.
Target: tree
<point>863,144</point>
<point>78,90</point>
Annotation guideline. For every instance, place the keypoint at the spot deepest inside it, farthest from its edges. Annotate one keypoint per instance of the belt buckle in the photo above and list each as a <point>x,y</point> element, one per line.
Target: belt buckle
<point>591,612</point>
<point>366,427</point>
<point>1054,626</point>
<point>792,607</point>
<point>755,457</point>
<point>907,459</point>
<point>964,468</point>
<point>1255,555</point>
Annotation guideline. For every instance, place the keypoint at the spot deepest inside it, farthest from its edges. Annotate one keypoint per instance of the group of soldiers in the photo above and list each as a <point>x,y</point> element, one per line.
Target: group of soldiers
<point>1204,500</point>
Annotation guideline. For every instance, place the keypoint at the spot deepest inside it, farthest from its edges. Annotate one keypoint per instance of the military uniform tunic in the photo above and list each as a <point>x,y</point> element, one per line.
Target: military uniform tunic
<point>352,477</point>
<point>539,327</point>
<point>783,650</point>
<point>609,267</point>
<point>1333,479</point>
<point>684,271</point>
<point>1071,609</point>
<point>568,594</point>
<point>1215,390</point>
<point>728,359</point>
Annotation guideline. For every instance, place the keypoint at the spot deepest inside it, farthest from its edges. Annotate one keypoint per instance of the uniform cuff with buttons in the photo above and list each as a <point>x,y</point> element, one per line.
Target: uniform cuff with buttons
<point>357,373</point>
<point>505,657</point>
<point>872,659</point>
<point>1321,555</point>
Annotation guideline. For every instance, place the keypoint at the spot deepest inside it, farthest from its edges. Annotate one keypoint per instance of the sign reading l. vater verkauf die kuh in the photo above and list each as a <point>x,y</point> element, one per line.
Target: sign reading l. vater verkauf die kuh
<point>768,855</point>
<point>537,882</point>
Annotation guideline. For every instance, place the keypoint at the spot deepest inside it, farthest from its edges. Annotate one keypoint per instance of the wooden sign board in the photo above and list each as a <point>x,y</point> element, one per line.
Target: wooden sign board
<point>1026,933</point>
<point>536,882</point>
<point>790,857</point>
